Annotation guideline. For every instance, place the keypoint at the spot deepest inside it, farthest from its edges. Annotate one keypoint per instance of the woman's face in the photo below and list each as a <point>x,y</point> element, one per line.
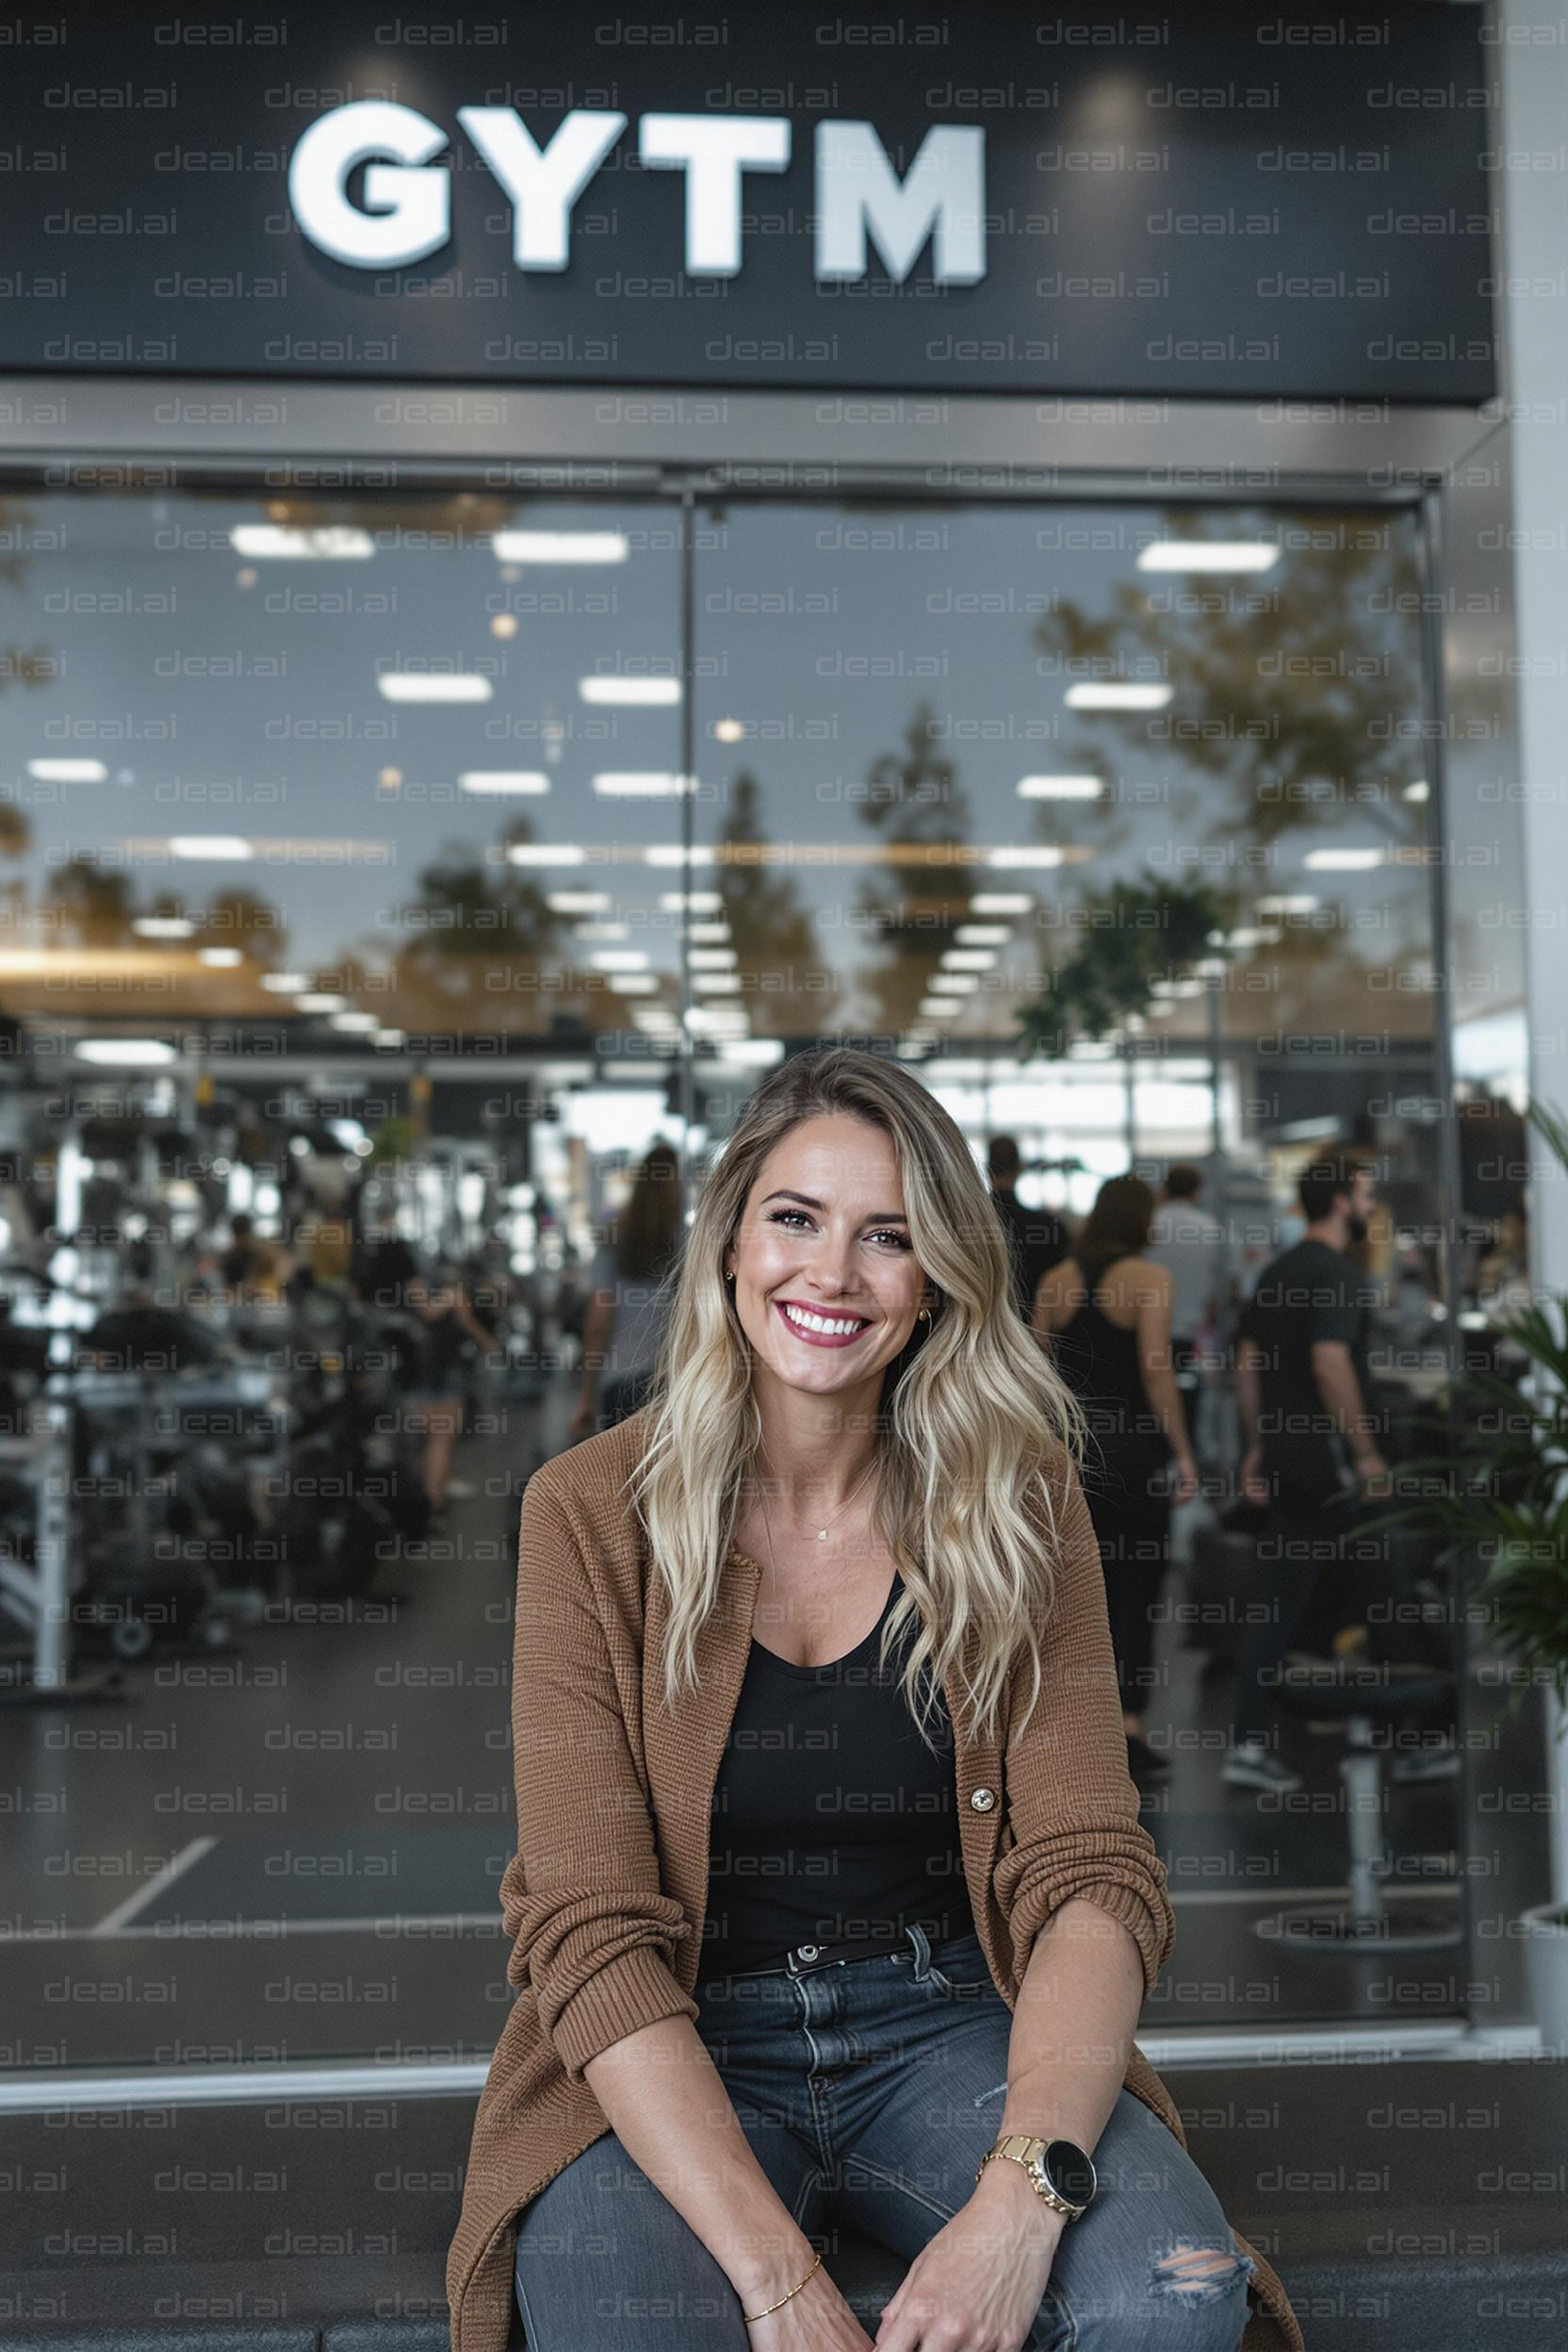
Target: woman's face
<point>827,1283</point>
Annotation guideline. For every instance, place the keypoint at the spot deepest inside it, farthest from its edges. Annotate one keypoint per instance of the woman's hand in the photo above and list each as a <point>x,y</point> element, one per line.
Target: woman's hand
<point>978,2285</point>
<point>1186,1479</point>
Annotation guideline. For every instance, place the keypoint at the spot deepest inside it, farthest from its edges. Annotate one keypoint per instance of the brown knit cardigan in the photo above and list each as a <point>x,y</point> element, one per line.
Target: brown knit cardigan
<point>605,1899</point>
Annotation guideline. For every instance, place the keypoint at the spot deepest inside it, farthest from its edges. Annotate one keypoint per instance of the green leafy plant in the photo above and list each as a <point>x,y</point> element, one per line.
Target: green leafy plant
<point>1496,1506</point>
<point>1129,939</point>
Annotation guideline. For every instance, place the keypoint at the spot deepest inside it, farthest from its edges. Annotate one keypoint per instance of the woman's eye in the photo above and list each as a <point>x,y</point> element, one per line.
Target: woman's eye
<point>884,1233</point>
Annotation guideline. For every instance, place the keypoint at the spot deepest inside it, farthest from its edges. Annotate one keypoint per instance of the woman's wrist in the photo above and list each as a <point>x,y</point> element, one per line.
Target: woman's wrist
<point>1012,2192</point>
<point>763,2277</point>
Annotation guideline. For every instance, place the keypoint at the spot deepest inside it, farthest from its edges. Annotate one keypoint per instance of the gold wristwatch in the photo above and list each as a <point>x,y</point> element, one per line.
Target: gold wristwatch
<point>1062,2175</point>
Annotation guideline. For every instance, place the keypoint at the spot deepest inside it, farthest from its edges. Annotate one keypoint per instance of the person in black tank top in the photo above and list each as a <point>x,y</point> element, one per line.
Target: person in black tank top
<point>831,1817</point>
<point>1130,1448</point>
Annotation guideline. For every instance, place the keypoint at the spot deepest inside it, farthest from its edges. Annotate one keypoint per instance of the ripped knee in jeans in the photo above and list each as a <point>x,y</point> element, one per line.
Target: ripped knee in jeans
<point>1200,2273</point>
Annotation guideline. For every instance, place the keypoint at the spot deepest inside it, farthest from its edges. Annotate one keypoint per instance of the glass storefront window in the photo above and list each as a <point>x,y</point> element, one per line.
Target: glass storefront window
<point>367,880</point>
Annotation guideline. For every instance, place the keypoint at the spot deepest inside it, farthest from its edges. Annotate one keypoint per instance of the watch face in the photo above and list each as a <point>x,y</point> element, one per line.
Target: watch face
<point>1068,2171</point>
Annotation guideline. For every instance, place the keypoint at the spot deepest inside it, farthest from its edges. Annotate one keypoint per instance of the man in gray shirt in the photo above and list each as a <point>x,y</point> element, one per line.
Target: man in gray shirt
<point>1191,1245</point>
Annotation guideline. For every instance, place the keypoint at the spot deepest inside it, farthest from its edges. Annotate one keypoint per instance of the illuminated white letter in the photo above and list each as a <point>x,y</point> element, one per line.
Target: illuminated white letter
<point>713,151</point>
<point>945,192</point>
<point>410,210</point>
<point>542,183</point>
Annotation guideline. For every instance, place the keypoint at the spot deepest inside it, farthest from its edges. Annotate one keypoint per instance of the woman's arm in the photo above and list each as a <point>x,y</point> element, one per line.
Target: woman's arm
<point>1071,1803</point>
<point>1048,1293</point>
<point>596,1337</point>
<point>1073,2024</point>
<point>464,1310</point>
<point>668,2107</point>
<point>1154,1290</point>
<point>1082,1890</point>
<point>593,1930</point>
<point>1249,1407</point>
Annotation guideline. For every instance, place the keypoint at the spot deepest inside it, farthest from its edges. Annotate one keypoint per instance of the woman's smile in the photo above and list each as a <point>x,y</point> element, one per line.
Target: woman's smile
<point>818,1328</point>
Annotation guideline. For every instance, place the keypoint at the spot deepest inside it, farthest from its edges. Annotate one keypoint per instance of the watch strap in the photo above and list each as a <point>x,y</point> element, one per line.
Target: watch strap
<point>1027,2148</point>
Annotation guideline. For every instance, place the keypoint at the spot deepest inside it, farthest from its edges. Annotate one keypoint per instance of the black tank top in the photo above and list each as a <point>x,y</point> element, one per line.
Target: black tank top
<point>1103,1366</point>
<point>832,1819</point>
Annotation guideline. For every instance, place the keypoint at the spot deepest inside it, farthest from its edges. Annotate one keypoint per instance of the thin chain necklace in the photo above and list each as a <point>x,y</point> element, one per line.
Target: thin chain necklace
<point>822,1532</point>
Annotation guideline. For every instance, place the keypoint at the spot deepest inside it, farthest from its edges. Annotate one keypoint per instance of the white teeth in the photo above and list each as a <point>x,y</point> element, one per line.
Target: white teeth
<point>821,1322</point>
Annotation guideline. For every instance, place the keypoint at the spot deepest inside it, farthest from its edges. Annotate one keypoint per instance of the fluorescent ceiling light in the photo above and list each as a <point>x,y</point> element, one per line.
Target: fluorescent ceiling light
<point>1300,903</point>
<point>635,983</point>
<point>432,686</point>
<point>263,540</point>
<point>716,983</point>
<point>619,960</point>
<point>968,958</point>
<point>630,690</point>
<point>754,1052</point>
<point>713,932</point>
<point>124,1053</point>
<point>1418,791</point>
<point>544,853</point>
<point>1344,860</point>
<point>596,930</point>
<point>285,983</point>
<point>933,1007</point>
<point>982,935</point>
<point>222,958</point>
<point>560,547</point>
<point>209,845</point>
<point>1114,695</point>
<point>319,1002</point>
<point>673,853</point>
<point>1060,786</point>
<point>712,960</point>
<point>1024,857</point>
<point>68,771</point>
<point>713,1021</point>
<point>366,1023</point>
<point>953,984</point>
<point>1002,903</point>
<point>1209,555</point>
<point>698,902</point>
<point>578,902</point>
<point>729,730</point>
<point>504,780</point>
<point>164,926</point>
<point>638,784</point>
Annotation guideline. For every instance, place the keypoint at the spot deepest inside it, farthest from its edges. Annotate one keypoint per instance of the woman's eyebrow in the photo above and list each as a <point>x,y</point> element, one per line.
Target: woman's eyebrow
<point>878,1217</point>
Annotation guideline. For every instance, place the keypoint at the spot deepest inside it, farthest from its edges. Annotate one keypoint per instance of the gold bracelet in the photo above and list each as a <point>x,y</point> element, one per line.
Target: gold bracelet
<point>749,2316</point>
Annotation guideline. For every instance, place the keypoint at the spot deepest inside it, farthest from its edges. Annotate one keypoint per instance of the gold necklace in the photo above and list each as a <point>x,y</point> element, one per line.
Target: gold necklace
<point>822,1532</point>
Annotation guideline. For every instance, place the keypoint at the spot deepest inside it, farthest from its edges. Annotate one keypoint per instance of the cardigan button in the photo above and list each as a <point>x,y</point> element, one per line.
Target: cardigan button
<point>983,1800</point>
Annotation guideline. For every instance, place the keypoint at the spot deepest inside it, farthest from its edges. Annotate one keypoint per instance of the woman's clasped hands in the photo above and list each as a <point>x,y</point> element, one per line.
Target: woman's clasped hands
<point>976,2287</point>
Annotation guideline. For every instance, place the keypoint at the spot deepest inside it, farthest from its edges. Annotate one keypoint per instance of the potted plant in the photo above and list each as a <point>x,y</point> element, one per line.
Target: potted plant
<point>1497,1506</point>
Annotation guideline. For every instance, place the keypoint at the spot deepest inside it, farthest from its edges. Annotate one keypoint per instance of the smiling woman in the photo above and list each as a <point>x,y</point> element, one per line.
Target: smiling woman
<point>862,1343</point>
<point>826,1622</point>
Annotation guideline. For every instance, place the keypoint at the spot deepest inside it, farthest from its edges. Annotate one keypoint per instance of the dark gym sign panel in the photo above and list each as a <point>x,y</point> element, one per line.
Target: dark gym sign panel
<point>1224,202</point>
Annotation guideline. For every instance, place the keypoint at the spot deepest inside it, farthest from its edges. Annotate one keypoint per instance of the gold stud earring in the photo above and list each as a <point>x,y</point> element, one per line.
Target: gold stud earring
<point>924,1315</point>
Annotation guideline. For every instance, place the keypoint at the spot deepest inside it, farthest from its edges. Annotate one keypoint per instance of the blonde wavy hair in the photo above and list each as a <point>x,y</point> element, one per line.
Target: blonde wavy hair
<point>975,1426</point>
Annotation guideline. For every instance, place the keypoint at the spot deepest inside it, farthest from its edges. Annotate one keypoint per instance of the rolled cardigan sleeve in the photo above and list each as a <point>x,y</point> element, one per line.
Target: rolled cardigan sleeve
<point>1072,1806</point>
<point>593,1929</point>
